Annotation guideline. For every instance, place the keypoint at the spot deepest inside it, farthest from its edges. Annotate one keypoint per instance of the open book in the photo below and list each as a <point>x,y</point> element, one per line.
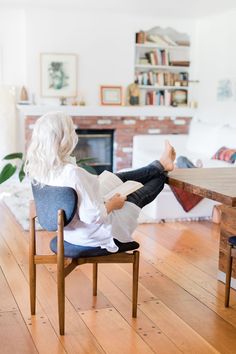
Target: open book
<point>110,184</point>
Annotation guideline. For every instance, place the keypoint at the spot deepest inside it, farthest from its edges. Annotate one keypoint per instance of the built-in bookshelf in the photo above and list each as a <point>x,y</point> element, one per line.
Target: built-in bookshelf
<point>162,69</point>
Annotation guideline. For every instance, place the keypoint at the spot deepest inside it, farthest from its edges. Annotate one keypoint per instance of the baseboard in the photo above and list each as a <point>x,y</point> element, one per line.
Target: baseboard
<point>221,277</point>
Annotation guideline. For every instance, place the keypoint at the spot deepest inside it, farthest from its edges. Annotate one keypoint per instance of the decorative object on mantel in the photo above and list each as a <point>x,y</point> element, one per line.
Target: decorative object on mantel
<point>24,94</point>
<point>193,104</point>
<point>58,75</point>
<point>82,102</point>
<point>74,101</point>
<point>179,98</point>
<point>63,101</point>
<point>133,94</point>
<point>111,95</point>
<point>24,97</point>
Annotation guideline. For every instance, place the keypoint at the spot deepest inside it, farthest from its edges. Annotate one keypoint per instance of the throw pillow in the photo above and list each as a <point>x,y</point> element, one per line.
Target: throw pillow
<point>187,200</point>
<point>225,154</point>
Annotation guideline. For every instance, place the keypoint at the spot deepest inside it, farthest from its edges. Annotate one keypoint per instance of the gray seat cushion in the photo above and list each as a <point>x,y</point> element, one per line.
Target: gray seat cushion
<point>75,251</point>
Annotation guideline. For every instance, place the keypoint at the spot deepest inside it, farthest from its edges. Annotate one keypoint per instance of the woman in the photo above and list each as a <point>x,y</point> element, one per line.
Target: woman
<point>96,223</point>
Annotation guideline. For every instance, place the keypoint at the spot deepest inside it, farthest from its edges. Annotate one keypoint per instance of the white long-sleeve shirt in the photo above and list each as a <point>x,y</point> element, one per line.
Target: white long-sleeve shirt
<point>91,225</point>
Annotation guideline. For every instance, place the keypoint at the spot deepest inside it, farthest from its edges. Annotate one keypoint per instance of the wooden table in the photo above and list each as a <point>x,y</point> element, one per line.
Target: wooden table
<point>218,184</point>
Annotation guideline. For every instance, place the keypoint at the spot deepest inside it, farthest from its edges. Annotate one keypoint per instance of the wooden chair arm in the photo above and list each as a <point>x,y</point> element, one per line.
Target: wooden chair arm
<point>32,210</point>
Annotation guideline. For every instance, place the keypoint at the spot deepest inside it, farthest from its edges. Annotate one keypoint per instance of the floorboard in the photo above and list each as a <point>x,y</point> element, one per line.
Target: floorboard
<point>180,305</point>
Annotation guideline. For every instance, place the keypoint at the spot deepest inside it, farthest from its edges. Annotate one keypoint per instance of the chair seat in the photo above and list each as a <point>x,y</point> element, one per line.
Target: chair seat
<point>76,251</point>
<point>232,240</point>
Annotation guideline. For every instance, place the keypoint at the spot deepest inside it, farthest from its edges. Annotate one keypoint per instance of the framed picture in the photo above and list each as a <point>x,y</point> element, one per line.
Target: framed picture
<point>179,98</point>
<point>111,95</point>
<point>58,75</point>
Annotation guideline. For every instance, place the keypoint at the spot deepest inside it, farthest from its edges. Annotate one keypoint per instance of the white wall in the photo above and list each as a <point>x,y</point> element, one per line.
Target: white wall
<point>12,75</point>
<point>215,59</point>
<point>12,46</point>
<point>103,41</point>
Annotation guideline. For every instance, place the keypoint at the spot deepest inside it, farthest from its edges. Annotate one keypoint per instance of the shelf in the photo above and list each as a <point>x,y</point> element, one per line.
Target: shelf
<point>161,67</point>
<point>108,111</point>
<point>153,87</point>
<point>153,45</point>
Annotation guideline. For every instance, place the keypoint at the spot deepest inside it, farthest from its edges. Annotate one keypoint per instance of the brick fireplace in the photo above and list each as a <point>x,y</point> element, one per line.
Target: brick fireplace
<point>125,128</point>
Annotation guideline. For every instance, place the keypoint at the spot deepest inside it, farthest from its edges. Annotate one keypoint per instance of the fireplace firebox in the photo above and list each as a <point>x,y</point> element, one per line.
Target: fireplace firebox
<point>98,145</point>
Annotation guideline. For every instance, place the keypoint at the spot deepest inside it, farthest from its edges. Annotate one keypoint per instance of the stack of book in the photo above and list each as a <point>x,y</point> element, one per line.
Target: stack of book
<point>158,98</point>
<point>153,78</point>
<point>156,57</point>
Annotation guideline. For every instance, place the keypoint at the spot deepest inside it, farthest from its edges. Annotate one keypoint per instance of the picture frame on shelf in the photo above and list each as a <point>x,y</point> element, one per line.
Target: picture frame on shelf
<point>111,95</point>
<point>179,98</point>
<point>58,73</point>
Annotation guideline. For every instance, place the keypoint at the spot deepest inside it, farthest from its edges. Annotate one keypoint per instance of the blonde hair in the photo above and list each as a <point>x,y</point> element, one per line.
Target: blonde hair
<point>53,140</point>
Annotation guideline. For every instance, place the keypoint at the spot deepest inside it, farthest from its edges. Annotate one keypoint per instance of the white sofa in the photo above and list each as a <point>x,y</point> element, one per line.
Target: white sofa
<point>202,142</point>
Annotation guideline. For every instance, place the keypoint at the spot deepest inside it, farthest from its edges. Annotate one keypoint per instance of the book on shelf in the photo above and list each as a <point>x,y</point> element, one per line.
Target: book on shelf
<point>157,98</point>
<point>167,98</point>
<point>169,40</point>
<point>140,37</point>
<point>157,57</point>
<point>183,43</point>
<point>157,39</point>
<point>110,184</point>
<point>179,63</point>
<point>156,78</point>
<point>143,61</point>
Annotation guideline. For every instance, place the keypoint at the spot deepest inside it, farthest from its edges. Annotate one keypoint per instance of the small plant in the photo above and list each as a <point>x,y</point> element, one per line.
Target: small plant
<point>85,163</point>
<point>9,169</point>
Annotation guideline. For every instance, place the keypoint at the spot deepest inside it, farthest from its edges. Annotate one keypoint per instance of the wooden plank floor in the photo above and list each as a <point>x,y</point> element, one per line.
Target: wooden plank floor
<point>180,307</point>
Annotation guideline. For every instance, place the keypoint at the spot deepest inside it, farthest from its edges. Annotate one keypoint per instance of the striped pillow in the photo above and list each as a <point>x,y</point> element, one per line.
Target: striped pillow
<point>225,154</point>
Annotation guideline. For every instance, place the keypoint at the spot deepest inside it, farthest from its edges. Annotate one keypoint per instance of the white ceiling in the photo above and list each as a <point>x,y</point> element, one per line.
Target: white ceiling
<point>164,8</point>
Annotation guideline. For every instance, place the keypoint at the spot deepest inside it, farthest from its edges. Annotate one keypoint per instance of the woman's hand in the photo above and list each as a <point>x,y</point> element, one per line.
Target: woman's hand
<point>116,202</point>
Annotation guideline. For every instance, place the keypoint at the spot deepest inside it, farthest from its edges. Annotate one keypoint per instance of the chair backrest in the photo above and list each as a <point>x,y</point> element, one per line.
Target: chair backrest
<point>49,199</point>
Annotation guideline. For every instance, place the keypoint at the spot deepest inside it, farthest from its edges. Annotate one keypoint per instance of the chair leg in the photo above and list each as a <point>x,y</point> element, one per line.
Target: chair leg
<point>61,273</point>
<point>32,267</point>
<point>32,280</point>
<point>61,300</point>
<point>135,283</point>
<point>95,278</point>
<point>228,275</point>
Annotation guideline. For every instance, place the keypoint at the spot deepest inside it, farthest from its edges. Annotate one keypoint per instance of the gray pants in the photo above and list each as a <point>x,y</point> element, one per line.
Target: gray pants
<point>153,179</point>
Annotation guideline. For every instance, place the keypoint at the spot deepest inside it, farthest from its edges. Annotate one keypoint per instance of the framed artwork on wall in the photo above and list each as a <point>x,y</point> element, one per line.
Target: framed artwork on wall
<point>179,98</point>
<point>58,75</point>
<point>111,95</point>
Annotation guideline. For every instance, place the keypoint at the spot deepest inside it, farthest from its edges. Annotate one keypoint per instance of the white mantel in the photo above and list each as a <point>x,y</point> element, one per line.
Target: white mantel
<point>112,111</point>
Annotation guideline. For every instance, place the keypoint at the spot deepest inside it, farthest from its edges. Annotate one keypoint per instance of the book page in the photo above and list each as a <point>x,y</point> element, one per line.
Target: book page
<point>124,189</point>
<point>108,182</point>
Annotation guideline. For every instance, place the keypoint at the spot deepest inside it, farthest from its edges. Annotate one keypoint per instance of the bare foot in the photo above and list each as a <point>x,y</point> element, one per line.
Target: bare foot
<point>168,157</point>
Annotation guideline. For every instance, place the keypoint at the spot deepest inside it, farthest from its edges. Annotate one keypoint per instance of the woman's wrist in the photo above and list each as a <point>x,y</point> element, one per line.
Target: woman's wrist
<point>109,206</point>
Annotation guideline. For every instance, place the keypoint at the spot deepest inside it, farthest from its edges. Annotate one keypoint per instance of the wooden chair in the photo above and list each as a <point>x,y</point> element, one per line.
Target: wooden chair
<point>55,207</point>
<point>231,253</point>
